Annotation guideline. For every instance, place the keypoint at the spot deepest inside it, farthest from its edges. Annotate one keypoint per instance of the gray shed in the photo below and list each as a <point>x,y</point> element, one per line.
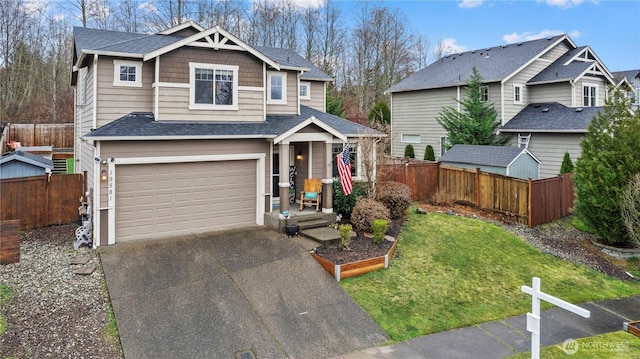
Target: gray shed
<point>23,164</point>
<point>504,160</point>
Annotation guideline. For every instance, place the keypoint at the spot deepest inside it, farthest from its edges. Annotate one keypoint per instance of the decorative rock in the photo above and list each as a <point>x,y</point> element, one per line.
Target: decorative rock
<point>368,235</point>
<point>389,238</point>
<point>421,210</point>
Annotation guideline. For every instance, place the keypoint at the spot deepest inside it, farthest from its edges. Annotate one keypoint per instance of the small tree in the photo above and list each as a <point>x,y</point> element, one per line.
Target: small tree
<point>380,113</point>
<point>608,161</point>
<point>408,151</point>
<point>567,164</point>
<point>477,123</point>
<point>429,155</point>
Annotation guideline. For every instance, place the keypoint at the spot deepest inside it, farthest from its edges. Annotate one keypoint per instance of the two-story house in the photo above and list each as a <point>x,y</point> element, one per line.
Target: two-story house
<point>632,79</point>
<point>545,91</point>
<point>192,130</point>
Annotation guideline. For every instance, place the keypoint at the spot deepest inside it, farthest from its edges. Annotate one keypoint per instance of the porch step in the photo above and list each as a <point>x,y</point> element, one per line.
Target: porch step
<point>312,223</point>
<point>327,236</point>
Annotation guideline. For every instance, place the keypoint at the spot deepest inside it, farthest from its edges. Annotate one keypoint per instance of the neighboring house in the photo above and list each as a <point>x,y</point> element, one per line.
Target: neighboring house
<point>552,72</point>
<point>23,164</point>
<point>192,130</point>
<point>632,78</point>
<point>503,160</point>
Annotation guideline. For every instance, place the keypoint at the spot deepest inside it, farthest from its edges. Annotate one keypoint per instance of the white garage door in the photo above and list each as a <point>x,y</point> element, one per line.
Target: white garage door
<point>162,200</point>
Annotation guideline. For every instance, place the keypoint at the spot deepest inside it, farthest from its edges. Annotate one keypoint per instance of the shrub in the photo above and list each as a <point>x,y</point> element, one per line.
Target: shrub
<point>365,211</point>
<point>345,235</point>
<point>429,155</point>
<point>567,165</point>
<point>379,230</point>
<point>630,199</point>
<point>344,204</point>
<point>408,151</point>
<point>608,161</point>
<point>442,198</point>
<point>396,196</point>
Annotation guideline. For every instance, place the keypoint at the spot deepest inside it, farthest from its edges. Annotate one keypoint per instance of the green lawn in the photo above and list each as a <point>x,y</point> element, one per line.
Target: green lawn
<point>454,272</point>
<point>617,345</point>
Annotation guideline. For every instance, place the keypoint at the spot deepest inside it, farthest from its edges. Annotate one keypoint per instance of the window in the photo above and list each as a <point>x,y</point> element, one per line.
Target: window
<point>277,87</point>
<point>590,95</point>
<point>523,140</point>
<point>305,90</point>
<point>484,93</point>
<point>410,138</point>
<point>517,94</point>
<point>444,143</point>
<point>213,87</point>
<point>127,73</point>
<point>353,153</point>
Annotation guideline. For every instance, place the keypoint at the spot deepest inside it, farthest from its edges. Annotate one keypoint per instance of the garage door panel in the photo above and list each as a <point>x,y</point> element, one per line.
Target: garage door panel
<point>160,200</point>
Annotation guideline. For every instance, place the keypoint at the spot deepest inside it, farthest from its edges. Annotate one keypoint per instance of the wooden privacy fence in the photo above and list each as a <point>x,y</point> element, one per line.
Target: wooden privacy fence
<point>530,202</point>
<point>41,201</point>
<point>55,135</point>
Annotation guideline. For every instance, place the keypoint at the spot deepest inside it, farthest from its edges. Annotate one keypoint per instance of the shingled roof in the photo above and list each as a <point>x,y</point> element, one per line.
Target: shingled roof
<point>497,156</point>
<point>551,117</point>
<point>494,64</point>
<point>286,57</point>
<point>143,126</point>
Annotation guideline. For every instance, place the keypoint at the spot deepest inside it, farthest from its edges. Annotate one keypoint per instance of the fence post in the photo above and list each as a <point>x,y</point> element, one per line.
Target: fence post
<point>529,219</point>
<point>478,186</point>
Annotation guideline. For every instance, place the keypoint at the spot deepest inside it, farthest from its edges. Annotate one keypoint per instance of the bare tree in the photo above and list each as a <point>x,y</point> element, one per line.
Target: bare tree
<point>371,150</point>
<point>127,16</point>
<point>165,14</point>
<point>228,14</point>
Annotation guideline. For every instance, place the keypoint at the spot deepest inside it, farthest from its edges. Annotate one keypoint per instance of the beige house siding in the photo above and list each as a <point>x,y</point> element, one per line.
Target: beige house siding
<point>127,149</point>
<point>557,51</point>
<point>550,148</point>
<point>602,90</point>
<point>291,107</point>
<point>521,78</point>
<point>414,113</point>
<point>318,160</point>
<point>317,96</point>
<point>117,101</point>
<point>557,92</point>
<point>173,105</point>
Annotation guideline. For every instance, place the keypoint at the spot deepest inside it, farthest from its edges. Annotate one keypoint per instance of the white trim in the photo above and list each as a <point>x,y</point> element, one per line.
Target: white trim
<point>519,87</point>
<point>137,65</point>
<point>192,86</point>
<point>94,115</point>
<point>182,26</point>
<point>283,79</point>
<point>405,140</point>
<point>309,160</point>
<point>308,85</point>
<point>95,207</point>
<point>307,122</point>
<point>171,84</point>
<point>111,202</point>
<point>156,90</point>
<point>260,178</point>
<point>160,137</point>
<point>251,88</point>
<point>216,46</point>
<point>524,140</point>
<point>595,97</point>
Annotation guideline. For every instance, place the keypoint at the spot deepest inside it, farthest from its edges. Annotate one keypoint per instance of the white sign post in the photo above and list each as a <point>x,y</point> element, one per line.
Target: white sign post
<point>533,319</point>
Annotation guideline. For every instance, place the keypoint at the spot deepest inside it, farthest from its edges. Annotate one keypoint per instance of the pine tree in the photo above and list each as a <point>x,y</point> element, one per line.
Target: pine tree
<point>408,151</point>
<point>380,113</point>
<point>567,164</point>
<point>428,153</point>
<point>608,161</point>
<point>477,122</point>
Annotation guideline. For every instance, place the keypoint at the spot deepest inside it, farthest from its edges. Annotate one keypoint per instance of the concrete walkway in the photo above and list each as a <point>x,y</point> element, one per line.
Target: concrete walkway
<point>502,338</point>
<point>237,294</point>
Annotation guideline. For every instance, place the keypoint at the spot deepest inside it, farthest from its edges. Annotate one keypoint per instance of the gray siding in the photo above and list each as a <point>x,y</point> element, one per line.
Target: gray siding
<point>415,113</point>
<point>15,169</point>
<point>550,148</point>
<point>510,109</point>
<point>317,96</point>
<point>524,167</point>
<point>557,92</point>
<point>557,51</point>
<point>490,169</point>
<point>602,89</point>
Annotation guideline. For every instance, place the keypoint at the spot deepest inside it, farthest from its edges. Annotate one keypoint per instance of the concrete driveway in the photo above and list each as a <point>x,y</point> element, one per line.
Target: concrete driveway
<point>228,295</point>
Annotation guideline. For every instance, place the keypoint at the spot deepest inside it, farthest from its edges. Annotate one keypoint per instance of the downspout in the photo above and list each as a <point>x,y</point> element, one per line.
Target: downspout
<point>573,93</point>
<point>458,97</point>
<point>502,103</point>
<point>96,195</point>
<point>390,120</point>
<point>309,157</point>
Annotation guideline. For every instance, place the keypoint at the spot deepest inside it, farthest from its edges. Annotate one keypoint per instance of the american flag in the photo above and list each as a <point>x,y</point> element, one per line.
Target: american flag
<point>344,171</point>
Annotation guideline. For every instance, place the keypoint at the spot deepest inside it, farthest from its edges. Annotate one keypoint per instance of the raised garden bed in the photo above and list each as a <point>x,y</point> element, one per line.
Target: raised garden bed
<point>352,269</point>
<point>633,327</point>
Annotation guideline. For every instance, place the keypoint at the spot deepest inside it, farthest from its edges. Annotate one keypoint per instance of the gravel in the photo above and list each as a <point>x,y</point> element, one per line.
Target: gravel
<point>54,313</point>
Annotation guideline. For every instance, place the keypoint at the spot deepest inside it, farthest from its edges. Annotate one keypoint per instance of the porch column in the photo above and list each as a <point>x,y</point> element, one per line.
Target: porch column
<point>327,179</point>
<point>283,185</point>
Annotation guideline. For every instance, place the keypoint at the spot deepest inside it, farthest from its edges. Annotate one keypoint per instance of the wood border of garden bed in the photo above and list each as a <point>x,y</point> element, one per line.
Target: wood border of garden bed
<point>352,269</point>
<point>633,327</point>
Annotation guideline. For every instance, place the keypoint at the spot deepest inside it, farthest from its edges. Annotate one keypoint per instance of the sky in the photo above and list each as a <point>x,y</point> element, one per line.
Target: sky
<point>610,28</point>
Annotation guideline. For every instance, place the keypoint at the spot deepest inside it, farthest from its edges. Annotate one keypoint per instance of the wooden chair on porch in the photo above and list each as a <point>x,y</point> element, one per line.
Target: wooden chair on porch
<point>312,194</point>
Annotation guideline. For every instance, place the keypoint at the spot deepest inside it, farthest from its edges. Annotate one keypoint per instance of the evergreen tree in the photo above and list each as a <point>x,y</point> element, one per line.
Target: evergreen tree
<point>567,164</point>
<point>608,161</point>
<point>334,102</point>
<point>428,153</point>
<point>477,123</point>
<point>380,113</point>
<point>408,151</point>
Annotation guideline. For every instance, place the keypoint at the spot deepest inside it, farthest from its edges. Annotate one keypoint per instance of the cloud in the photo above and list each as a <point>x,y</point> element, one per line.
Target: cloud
<point>469,4</point>
<point>450,46</point>
<point>149,7</point>
<point>527,36</point>
<point>299,4</point>
<point>565,4</point>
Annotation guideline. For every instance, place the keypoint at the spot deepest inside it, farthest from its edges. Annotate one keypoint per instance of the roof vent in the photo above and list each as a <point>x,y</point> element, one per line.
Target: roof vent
<point>546,109</point>
<point>520,44</point>
<point>579,109</point>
